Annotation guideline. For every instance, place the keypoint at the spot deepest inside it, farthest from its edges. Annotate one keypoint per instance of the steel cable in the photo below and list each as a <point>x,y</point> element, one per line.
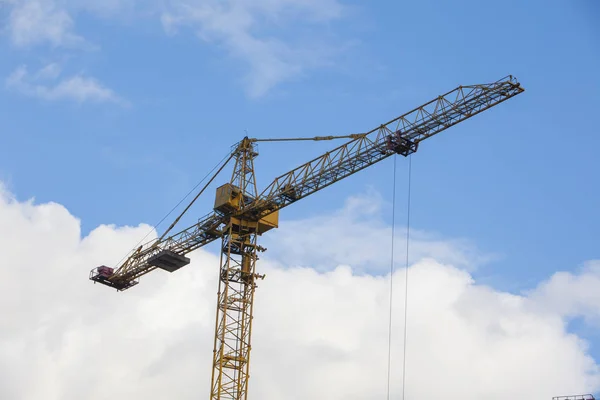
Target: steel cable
<point>177,205</point>
<point>389,369</point>
<point>406,279</point>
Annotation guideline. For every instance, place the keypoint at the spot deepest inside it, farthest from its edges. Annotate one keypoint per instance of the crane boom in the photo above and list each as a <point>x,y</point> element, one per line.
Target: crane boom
<point>401,135</point>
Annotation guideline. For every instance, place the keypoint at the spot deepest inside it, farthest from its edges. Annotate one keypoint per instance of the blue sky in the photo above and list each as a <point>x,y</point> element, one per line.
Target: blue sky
<point>117,109</point>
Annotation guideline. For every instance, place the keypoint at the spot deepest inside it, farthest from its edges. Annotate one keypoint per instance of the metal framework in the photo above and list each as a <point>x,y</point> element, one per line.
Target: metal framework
<point>400,135</point>
<point>575,397</point>
<point>231,354</point>
<point>241,214</point>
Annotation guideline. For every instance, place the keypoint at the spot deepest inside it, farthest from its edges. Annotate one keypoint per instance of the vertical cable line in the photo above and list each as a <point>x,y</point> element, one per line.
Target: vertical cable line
<point>406,279</point>
<point>389,365</point>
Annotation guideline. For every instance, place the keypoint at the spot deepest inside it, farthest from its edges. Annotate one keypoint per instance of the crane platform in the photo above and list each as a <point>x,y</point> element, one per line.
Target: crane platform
<point>102,275</point>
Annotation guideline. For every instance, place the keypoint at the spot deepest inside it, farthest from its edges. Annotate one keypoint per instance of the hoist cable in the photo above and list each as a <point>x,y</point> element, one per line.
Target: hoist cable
<point>389,369</point>
<point>406,278</point>
<point>389,366</point>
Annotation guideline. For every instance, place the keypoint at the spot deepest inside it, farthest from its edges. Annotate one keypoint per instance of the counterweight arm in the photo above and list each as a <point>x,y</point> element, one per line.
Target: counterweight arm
<point>144,258</point>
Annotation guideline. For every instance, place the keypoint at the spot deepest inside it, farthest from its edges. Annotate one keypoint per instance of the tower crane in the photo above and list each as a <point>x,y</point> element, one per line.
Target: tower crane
<point>241,214</point>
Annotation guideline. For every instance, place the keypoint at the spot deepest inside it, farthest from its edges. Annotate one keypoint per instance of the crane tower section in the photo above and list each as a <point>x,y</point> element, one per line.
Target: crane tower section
<point>237,275</point>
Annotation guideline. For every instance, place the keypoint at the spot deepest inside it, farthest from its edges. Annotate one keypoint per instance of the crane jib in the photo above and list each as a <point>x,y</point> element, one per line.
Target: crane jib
<point>401,135</point>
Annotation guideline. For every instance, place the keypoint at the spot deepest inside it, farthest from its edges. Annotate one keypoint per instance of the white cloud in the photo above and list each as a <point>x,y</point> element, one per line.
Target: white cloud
<point>45,85</point>
<point>42,21</point>
<point>572,295</point>
<point>240,27</point>
<point>274,40</point>
<point>36,22</point>
<point>358,235</point>
<point>317,335</point>
<point>106,8</point>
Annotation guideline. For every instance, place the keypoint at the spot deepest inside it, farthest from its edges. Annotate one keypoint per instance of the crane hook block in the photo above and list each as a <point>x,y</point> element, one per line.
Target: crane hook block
<point>168,260</point>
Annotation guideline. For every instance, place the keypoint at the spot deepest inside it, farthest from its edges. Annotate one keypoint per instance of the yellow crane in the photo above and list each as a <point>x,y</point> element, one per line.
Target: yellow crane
<point>241,214</point>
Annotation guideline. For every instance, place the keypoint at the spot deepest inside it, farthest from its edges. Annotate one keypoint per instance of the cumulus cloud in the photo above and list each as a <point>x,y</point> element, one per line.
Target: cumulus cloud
<point>44,84</point>
<point>317,334</point>
<point>241,26</point>
<point>572,295</point>
<point>358,235</point>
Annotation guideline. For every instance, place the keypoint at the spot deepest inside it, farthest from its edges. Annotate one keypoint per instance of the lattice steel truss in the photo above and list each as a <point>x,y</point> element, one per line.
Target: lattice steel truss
<point>231,354</point>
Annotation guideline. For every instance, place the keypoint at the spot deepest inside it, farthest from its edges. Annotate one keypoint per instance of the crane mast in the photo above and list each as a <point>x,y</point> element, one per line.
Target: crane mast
<point>241,214</point>
<point>231,354</point>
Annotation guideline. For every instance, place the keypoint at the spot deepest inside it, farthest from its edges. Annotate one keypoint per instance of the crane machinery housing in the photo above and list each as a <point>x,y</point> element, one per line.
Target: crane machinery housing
<point>241,214</point>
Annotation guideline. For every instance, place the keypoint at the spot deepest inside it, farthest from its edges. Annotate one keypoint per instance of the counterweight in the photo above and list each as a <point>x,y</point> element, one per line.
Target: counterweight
<point>241,214</point>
